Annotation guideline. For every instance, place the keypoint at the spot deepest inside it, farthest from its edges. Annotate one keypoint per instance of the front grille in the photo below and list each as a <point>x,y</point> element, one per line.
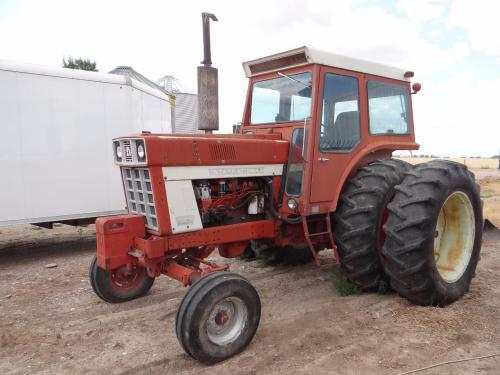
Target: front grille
<point>129,154</point>
<point>126,146</point>
<point>139,192</point>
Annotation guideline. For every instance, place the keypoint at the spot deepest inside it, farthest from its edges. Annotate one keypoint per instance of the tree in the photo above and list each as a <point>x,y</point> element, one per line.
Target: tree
<point>82,64</point>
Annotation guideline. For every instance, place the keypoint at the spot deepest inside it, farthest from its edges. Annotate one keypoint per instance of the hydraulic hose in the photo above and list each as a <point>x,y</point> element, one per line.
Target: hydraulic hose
<point>274,212</point>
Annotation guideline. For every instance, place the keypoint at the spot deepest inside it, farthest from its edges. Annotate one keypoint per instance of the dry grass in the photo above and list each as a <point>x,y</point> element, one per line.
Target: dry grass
<point>490,193</point>
<point>490,187</point>
<point>473,163</point>
<point>491,210</point>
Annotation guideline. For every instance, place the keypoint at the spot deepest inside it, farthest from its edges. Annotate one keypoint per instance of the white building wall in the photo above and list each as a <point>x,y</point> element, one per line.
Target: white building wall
<point>57,125</point>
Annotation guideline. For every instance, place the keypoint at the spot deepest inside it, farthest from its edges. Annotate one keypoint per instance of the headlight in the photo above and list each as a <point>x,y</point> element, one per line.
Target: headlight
<point>118,151</point>
<point>141,150</point>
<point>292,204</point>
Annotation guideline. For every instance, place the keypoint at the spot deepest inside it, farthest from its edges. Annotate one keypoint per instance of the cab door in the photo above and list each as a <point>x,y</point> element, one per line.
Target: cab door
<point>338,132</point>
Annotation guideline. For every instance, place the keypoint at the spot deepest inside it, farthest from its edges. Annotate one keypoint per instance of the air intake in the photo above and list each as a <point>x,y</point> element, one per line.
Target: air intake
<point>221,151</point>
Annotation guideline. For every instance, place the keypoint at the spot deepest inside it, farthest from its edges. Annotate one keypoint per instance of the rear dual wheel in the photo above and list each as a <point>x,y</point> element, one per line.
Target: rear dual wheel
<point>434,233</point>
<point>218,317</point>
<point>119,285</point>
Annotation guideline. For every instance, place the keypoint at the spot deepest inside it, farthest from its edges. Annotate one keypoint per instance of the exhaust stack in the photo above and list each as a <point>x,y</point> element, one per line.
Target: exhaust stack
<point>208,83</point>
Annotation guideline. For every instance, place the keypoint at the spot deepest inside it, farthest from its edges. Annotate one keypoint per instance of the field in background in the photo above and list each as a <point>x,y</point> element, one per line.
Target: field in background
<point>490,194</point>
<point>473,163</point>
<point>487,175</point>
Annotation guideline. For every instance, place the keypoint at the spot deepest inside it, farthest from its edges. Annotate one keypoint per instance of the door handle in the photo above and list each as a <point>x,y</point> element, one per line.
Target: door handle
<point>323,159</point>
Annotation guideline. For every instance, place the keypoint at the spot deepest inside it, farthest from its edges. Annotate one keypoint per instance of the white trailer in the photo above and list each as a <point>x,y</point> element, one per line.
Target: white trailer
<point>56,127</point>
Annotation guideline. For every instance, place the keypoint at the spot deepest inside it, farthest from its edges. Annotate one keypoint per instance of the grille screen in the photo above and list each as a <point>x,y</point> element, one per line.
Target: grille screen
<point>139,192</point>
<point>126,148</point>
<point>222,151</point>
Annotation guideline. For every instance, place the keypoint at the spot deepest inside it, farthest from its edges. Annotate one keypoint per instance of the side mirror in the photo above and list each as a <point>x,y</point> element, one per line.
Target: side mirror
<point>416,87</point>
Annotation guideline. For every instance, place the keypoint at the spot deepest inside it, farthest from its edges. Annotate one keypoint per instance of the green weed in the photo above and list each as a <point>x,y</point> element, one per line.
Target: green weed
<point>344,286</point>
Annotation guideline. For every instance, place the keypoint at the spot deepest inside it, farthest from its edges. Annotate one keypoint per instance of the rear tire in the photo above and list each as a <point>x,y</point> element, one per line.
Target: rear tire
<point>119,285</point>
<point>218,317</point>
<point>434,233</point>
<point>358,221</point>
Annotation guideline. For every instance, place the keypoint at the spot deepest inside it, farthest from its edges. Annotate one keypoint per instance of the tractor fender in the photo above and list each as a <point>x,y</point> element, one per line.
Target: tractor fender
<point>371,152</point>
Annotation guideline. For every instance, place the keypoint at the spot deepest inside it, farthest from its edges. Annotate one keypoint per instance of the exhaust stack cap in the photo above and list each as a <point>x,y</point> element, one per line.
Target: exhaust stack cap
<point>207,54</point>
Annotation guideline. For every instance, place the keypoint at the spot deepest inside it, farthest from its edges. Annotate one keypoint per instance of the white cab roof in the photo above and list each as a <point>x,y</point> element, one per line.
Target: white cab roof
<point>304,55</point>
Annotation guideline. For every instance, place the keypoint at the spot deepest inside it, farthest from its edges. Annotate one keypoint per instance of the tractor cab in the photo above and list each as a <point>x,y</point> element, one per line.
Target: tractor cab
<point>337,112</point>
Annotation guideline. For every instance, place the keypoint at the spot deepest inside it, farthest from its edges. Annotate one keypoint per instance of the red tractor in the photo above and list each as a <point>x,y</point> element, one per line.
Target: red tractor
<point>312,166</point>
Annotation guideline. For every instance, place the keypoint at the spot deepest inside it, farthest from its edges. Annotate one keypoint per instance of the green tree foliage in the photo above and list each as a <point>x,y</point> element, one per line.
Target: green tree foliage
<point>82,64</point>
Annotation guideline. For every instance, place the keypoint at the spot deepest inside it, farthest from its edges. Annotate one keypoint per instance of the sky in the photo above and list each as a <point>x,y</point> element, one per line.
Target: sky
<point>453,46</point>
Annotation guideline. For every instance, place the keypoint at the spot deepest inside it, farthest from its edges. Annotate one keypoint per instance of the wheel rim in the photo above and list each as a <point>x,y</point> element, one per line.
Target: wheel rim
<point>226,321</point>
<point>127,277</point>
<point>454,237</point>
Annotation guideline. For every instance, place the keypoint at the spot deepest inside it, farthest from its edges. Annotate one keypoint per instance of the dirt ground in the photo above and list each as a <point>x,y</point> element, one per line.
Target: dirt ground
<point>52,323</point>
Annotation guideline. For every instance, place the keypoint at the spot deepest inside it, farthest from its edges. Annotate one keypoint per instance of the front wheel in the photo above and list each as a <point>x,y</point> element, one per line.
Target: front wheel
<point>119,285</point>
<point>218,317</point>
<point>434,233</point>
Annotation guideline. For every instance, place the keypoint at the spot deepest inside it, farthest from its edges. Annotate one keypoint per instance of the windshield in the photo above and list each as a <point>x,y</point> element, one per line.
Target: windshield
<point>283,99</point>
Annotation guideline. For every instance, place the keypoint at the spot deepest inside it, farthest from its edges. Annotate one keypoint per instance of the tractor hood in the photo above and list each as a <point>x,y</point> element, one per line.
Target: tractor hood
<point>209,149</point>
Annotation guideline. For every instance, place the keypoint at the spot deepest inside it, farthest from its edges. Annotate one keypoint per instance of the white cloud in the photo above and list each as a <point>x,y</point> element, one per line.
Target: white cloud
<point>421,10</point>
<point>479,19</point>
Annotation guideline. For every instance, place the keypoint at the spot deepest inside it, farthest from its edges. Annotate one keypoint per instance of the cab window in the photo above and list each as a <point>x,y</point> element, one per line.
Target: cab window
<point>388,108</point>
<point>339,130</point>
<point>283,99</point>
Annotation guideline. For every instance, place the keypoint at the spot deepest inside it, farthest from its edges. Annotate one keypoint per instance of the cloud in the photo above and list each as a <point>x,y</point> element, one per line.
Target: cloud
<point>422,10</point>
<point>479,19</point>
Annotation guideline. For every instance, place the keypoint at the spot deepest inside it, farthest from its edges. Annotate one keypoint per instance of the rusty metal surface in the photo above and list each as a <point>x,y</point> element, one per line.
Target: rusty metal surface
<point>208,82</point>
<point>205,21</point>
<point>454,236</point>
<point>208,98</point>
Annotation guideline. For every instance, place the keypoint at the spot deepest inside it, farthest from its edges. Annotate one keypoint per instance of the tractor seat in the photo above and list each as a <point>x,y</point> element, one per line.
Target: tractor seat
<point>344,134</point>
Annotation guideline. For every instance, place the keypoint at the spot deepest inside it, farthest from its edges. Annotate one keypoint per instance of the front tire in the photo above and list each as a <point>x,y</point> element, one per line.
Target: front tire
<point>119,285</point>
<point>218,317</point>
<point>359,218</point>
<point>434,233</point>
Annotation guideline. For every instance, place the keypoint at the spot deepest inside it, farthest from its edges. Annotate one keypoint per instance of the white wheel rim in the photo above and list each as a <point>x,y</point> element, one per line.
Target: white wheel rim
<point>226,321</point>
<point>454,237</point>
